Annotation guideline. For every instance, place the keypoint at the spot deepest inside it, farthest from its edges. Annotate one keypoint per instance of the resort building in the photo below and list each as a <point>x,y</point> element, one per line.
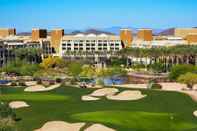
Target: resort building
<point>5,32</point>
<point>126,37</point>
<point>184,32</point>
<point>38,34</point>
<point>3,52</point>
<point>91,45</point>
<point>56,40</point>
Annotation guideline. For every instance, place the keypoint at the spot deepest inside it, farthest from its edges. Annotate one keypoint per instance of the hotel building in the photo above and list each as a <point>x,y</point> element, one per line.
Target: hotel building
<point>4,32</point>
<point>90,44</point>
<point>3,54</point>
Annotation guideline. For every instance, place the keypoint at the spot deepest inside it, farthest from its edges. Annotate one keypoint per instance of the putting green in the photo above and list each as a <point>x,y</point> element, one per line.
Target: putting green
<point>33,97</point>
<point>159,111</point>
<point>136,120</point>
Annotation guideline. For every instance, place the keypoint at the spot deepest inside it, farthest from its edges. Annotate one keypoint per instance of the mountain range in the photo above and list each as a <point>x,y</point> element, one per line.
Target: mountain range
<point>111,30</point>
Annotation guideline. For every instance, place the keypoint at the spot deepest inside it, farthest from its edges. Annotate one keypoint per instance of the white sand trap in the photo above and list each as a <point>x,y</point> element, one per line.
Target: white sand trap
<point>89,98</point>
<point>195,113</point>
<point>40,88</point>
<point>127,95</point>
<point>105,92</point>
<point>61,126</point>
<point>133,86</point>
<point>18,104</point>
<point>99,127</point>
<point>31,83</point>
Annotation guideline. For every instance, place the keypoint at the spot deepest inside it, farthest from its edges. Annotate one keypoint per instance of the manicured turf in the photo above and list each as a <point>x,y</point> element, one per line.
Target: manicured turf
<point>159,111</point>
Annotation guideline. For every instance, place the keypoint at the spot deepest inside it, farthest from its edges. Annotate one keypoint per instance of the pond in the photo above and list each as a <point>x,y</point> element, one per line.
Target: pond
<point>2,82</point>
<point>109,81</point>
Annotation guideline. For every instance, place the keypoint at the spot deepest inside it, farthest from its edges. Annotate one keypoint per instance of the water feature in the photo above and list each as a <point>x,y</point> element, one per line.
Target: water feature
<point>3,82</point>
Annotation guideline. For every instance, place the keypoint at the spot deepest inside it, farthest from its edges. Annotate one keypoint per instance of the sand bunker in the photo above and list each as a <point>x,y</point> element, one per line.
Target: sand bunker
<point>195,113</point>
<point>18,104</point>
<point>133,86</point>
<point>89,98</point>
<point>104,92</point>
<point>127,95</point>
<point>98,127</point>
<point>40,88</point>
<point>31,83</point>
<point>61,126</point>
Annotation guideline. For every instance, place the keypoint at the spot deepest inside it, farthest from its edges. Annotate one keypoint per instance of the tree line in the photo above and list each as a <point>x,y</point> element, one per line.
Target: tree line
<point>168,56</point>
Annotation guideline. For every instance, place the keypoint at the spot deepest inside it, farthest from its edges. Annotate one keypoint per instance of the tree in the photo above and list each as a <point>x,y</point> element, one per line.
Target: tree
<point>178,70</point>
<point>31,55</point>
<point>53,62</point>
<point>88,71</point>
<point>190,79</point>
<point>157,67</point>
<point>74,69</point>
<point>21,68</point>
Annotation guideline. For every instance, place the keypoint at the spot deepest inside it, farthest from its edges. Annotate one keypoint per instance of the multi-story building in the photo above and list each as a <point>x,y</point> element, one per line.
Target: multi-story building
<point>126,37</point>
<point>5,32</point>
<point>3,53</point>
<point>184,32</point>
<point>90,43</point>
<point>38,34</point>
<point>56,40</point>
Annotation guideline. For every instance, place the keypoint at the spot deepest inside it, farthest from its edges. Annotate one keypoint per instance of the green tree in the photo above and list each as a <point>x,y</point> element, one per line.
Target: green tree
<point>74,69</point>
<point>53,62</point>
<point>190,79</point>
<point>178,70</point>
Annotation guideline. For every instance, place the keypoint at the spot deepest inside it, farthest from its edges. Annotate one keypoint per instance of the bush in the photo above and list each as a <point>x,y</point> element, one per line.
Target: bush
<point>190,79</point>
<point>21,83</point>
<point>6,111</point>
<point>157,67</point>
<point>20,67</point>
<point>14,83</point>
<point>179,70</point>
<point>58,80</point>
<point>138,66</point>
<point>7,118</point>
<point>39,81</point>
<point>100,82</point>
<point>156,86</point>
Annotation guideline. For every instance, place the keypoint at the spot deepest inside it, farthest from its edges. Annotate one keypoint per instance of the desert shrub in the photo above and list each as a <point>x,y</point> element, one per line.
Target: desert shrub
<point>156,86</point>
<point>7,118</point>
<point>14,83</point>
<point>157,67</point>
<point>6,111</point>
<point>21,83</point>
<point>39,81</point>
<point>179,70</point>
<point>20,67</point>
<point>100,82</point>
<point>190,79</point>
<point>138,66</point>
<point>58,80</point>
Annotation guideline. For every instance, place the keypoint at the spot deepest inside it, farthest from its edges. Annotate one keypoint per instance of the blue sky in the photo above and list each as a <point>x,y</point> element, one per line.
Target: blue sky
<point>82,14</point>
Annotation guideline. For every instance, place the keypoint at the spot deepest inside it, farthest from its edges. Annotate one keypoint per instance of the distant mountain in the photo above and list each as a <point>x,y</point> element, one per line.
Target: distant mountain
<point>110,30</point>
<point>24,34</point>
<point>95,31</point>
<point>167,32</point>
<point>89,31</point>
<point>116,29</point>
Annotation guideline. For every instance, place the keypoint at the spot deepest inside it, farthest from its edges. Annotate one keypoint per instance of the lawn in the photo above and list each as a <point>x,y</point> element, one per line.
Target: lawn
<point>159,111</point>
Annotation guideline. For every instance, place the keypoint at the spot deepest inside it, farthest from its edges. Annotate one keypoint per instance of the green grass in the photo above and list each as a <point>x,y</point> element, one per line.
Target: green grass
<point>159,111</point>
